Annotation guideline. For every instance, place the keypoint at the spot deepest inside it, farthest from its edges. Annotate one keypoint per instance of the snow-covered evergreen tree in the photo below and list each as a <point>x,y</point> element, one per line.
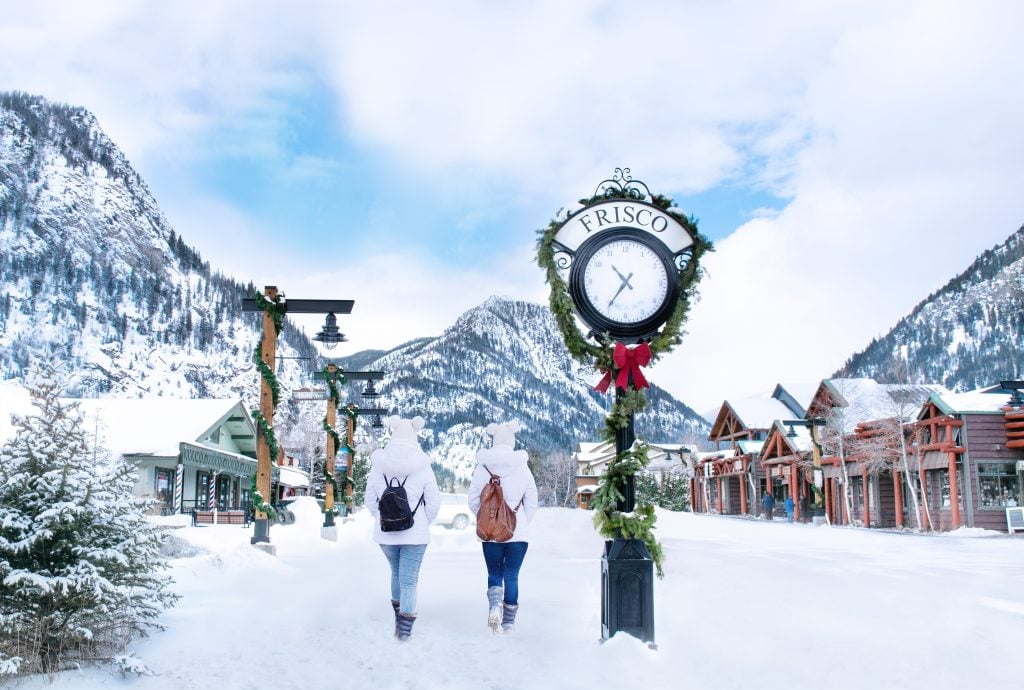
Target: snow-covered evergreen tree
<point>80,568</point>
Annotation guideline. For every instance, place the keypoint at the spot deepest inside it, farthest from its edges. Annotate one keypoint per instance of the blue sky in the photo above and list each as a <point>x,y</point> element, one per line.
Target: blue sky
<point>848,157</point>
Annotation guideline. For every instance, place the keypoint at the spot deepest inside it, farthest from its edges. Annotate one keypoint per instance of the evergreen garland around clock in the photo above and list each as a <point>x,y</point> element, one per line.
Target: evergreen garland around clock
<point>609,521</point>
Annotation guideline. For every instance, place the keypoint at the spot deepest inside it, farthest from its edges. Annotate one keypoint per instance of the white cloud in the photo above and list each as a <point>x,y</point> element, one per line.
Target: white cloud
<point>892,128</point>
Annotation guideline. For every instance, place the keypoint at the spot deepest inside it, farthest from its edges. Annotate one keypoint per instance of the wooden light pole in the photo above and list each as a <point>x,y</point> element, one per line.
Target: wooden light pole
<point>274,308</point>
<point>264,463</point>
<point>332,417</point>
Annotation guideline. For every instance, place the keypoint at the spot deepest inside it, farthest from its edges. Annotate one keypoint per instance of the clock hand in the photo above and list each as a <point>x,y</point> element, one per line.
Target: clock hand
<point>625,284</point>
<point>624,279</point>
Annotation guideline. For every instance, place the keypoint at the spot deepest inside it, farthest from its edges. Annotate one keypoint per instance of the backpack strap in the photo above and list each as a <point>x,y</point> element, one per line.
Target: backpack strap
<point>516,509</point>
<point>421,502</point>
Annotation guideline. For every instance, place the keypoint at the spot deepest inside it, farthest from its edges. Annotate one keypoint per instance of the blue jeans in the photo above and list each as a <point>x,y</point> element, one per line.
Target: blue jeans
<point>503,563</point>
<point>405,560</point>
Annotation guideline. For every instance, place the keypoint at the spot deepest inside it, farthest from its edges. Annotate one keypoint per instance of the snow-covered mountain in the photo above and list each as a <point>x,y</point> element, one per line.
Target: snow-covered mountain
<point>505,360</point>
<point>967,335</point>
<point>93,276</point>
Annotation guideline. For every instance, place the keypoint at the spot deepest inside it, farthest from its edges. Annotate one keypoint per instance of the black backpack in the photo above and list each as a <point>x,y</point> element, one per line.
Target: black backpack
<point>395,513</point>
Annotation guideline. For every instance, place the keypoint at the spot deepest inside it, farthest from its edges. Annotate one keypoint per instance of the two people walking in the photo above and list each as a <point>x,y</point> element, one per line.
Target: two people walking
<point>403,497</point>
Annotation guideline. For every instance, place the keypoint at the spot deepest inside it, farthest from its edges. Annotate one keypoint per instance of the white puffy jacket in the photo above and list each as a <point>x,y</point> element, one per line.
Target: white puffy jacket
<point>517,484</point>
<point>408,462</point>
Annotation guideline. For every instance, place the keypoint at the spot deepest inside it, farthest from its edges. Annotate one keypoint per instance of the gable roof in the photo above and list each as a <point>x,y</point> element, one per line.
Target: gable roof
<point>756,412</point>
<point>864,399</point>
<point>155,426</point>
<point>981,401</point>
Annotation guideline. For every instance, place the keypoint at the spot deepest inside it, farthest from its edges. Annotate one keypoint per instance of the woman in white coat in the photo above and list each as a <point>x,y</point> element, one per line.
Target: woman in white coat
<point>504,559</point>
<point>403,462</point>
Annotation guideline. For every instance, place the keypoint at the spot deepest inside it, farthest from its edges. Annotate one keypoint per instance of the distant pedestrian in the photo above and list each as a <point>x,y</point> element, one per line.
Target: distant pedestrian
<point>768,504</point>
<point>401,475</point>
<point>503,559</point>
<point>789,506</point>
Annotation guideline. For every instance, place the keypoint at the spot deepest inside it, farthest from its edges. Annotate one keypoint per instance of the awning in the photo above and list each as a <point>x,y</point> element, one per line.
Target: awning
<point>932,460</point>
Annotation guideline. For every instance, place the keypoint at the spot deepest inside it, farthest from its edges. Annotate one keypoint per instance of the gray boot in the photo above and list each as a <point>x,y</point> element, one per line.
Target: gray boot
<point>404,626</point>
<point>508,617</point>
<point>394,605</point>
<point>494,596</point>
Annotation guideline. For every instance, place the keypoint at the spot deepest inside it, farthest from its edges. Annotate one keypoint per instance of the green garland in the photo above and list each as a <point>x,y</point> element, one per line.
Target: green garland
<point>275,307</point>
<point>267,373</point>
<point>268,434</point>
<point>332,385</point>
<point>610,522</point>
<point>258,504</point>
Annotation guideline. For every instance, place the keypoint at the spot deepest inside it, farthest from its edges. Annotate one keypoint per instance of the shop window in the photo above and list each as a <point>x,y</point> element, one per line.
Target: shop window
<point>943,477</point>
<point>202,489</point>
<point>164,485</point>
<point>998,485</point>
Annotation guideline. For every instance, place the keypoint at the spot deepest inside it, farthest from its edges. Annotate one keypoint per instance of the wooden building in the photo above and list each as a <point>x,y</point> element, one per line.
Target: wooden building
<point>732,481</point>
<point>970,453</point>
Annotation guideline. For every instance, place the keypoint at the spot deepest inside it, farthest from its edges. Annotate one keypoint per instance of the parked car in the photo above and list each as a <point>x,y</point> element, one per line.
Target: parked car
<point>455,512</point>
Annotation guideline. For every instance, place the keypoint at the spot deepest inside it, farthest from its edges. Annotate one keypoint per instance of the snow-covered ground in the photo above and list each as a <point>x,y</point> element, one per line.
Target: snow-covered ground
<point>744,604</point>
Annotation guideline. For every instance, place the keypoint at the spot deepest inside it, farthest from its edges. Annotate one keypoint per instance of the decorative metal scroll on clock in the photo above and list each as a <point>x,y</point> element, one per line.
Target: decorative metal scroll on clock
<point>621,185</point>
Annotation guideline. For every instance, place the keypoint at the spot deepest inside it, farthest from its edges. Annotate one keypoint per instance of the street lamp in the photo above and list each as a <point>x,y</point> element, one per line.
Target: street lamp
<point>274,307</point>
<point>329,336</point>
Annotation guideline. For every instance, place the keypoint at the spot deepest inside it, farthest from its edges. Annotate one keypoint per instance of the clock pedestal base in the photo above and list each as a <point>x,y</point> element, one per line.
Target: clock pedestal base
<point>627,590</point>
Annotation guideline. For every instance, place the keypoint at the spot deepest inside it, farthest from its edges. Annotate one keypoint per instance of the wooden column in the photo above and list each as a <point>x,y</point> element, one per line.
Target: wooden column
<point>897,488</point>
<point>743,490</point>
<point>693,495</point>
<point>264,463</point>
<point>954,498</point>
<point>794,492</point>
<point>332,417</point>
<point>866,488</point>
<point>351,459</point>
<point>718,483</point>
<point>828,500</point>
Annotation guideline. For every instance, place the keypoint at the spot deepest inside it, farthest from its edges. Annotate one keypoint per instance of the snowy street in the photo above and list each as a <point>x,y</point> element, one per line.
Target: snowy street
<point>744,603</point>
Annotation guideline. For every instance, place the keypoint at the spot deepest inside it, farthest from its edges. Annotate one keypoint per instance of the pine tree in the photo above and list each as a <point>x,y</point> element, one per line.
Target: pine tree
<point>80,569</point>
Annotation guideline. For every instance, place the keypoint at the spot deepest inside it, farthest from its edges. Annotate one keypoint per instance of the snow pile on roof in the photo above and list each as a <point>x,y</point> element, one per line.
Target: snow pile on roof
<point>151,426</point>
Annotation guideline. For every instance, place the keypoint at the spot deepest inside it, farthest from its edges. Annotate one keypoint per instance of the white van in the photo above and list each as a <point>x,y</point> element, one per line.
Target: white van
<point>455,512</point>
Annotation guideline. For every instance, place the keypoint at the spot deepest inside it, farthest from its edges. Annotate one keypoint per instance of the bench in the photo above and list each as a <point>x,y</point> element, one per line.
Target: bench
<point>224,517</point>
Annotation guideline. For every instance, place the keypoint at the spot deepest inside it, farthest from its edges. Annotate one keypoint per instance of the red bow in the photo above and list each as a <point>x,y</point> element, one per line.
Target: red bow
<point>627,363</point>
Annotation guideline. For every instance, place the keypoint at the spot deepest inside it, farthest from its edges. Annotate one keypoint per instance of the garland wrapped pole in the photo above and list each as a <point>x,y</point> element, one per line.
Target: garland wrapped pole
<point>274,308</point>
<point>333,443</point>
<point>273,318</point>
<point>633,264</point>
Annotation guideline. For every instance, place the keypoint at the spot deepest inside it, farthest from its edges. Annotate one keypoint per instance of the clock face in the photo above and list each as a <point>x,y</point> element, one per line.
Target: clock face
<point>625,281</point>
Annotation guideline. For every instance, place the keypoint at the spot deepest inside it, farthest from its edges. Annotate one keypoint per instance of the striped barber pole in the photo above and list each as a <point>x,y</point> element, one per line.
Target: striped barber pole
<point>212,494</point>
<point>179,483</point>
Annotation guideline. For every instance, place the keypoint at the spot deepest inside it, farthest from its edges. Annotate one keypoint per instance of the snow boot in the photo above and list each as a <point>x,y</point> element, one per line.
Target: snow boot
<point>394,605</point>
<point>494,595</point>
<point>508,617</point>
<point>404,626</point>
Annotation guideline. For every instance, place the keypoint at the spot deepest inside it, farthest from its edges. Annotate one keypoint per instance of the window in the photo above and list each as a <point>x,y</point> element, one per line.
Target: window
<point>944,486</point>
<point>202,489</point>
<point>164,485</point>
<point>998,485</point>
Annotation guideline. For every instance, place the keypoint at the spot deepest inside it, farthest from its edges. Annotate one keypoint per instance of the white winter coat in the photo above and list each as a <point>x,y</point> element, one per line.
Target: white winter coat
<point>517,484</point>
<point>402,459</point>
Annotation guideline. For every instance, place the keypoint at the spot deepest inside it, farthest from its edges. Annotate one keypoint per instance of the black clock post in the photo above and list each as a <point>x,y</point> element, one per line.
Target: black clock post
<point>627,568</point>
<point>626,261</point>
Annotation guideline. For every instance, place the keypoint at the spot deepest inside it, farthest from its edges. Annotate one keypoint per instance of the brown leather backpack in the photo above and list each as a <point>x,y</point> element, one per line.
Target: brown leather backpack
<point>495,521</point>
